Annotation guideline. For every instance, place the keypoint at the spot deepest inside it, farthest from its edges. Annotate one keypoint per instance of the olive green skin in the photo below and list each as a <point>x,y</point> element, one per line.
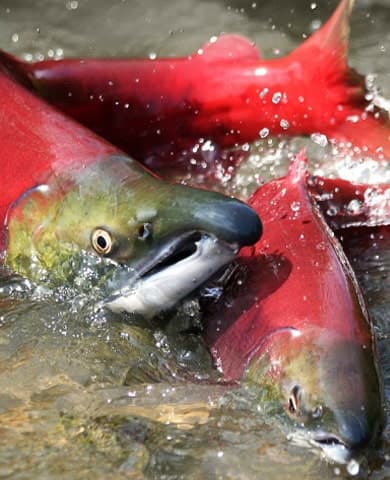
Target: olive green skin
<point>51,228</point>
<point>340,395</point>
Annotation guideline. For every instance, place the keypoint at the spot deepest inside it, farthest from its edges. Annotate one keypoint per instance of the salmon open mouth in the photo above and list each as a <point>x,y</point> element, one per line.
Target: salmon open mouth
<point>329,444</point>
<point>170,272</point>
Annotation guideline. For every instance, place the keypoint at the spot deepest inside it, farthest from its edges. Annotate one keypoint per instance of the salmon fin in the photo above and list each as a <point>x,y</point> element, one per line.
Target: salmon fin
<point>16,69</point>
<point>229,47</point>
<point>368,130</point>
<point>297,170</point>
<point>332,38</point>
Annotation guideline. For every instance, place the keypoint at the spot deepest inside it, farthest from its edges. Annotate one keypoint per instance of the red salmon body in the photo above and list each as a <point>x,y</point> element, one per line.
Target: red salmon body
<point>298,325</point>
<point>37,141</point>
<point>345,204</point>
<point>298,277</point>
<point>225,93</point>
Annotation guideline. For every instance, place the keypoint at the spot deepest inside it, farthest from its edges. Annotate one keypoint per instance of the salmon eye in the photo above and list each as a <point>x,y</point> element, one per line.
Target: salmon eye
<point>144,231</point>
<point>293,401</point>
<point>101,241</point>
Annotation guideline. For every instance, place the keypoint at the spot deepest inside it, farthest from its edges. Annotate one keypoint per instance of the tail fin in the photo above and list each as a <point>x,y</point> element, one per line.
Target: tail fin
<point>16,69</point>
<point>355,121</point>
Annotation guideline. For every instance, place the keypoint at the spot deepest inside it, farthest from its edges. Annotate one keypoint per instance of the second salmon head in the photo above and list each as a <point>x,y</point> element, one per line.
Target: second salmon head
<point>325,386</point>
<point>114,228</point>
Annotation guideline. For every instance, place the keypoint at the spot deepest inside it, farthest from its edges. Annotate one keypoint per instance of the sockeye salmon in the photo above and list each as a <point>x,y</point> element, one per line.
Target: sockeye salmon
<point>75,211</point>
<point>224,93</point>
<point>299,327</point>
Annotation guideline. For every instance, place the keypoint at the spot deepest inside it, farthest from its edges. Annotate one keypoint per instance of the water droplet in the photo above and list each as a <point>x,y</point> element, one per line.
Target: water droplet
<point>264,132</point>
<point>152,55</point>
<point>313,6</point>
<point>15,37</point>
<point>353,467</point>
<point>332,211</point>
<point>264,92</point>
<point>319,139</point>
<point>284,124</point>
<point>355,206</point>
<point>295,206</point>
<point>315,25</point>
<point>276,97</point>
<point>72,5</point>
<point>59,53</point>
<point>353,118</point>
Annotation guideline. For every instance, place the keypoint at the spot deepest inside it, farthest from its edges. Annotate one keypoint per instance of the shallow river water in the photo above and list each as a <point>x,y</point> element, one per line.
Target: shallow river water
<point>83,396</point>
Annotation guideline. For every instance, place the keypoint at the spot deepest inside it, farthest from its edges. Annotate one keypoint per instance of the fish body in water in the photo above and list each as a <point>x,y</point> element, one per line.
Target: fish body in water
<point>74,210</point>
<point>225,93</point>
<point>299,327</point>
<point>346,204</point>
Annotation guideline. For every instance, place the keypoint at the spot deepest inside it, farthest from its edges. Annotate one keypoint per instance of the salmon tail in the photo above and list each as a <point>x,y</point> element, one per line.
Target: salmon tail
<point>344,113</point>
<point>17,69</point>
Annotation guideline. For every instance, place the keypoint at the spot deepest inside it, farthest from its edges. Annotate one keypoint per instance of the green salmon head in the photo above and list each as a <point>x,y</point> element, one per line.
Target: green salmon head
<point>326,387</point>
<point>114,228</point>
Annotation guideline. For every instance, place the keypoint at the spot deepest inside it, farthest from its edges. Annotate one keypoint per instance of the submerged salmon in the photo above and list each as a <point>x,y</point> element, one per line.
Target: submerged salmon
<point>76,211</point>
<point>345,204</point>
<point>224,92</point>
<point>299,327</point>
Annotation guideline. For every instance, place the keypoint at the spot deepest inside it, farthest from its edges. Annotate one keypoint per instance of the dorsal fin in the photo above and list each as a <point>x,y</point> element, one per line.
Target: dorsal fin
<point>228,47</point>
<point>297,170</point>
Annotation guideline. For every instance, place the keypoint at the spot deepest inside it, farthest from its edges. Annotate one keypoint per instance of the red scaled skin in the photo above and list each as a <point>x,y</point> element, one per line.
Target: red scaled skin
<point>300,319</point>
<point>287,272</point>
<point>36,142</point>
<point>155,108</point>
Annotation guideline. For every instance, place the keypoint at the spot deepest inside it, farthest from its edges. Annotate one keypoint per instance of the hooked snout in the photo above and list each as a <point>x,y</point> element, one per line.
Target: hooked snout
<point>228,219</point>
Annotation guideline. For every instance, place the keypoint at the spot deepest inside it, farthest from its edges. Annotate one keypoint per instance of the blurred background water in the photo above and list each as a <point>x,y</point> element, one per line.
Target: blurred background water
<point>82,397</point>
